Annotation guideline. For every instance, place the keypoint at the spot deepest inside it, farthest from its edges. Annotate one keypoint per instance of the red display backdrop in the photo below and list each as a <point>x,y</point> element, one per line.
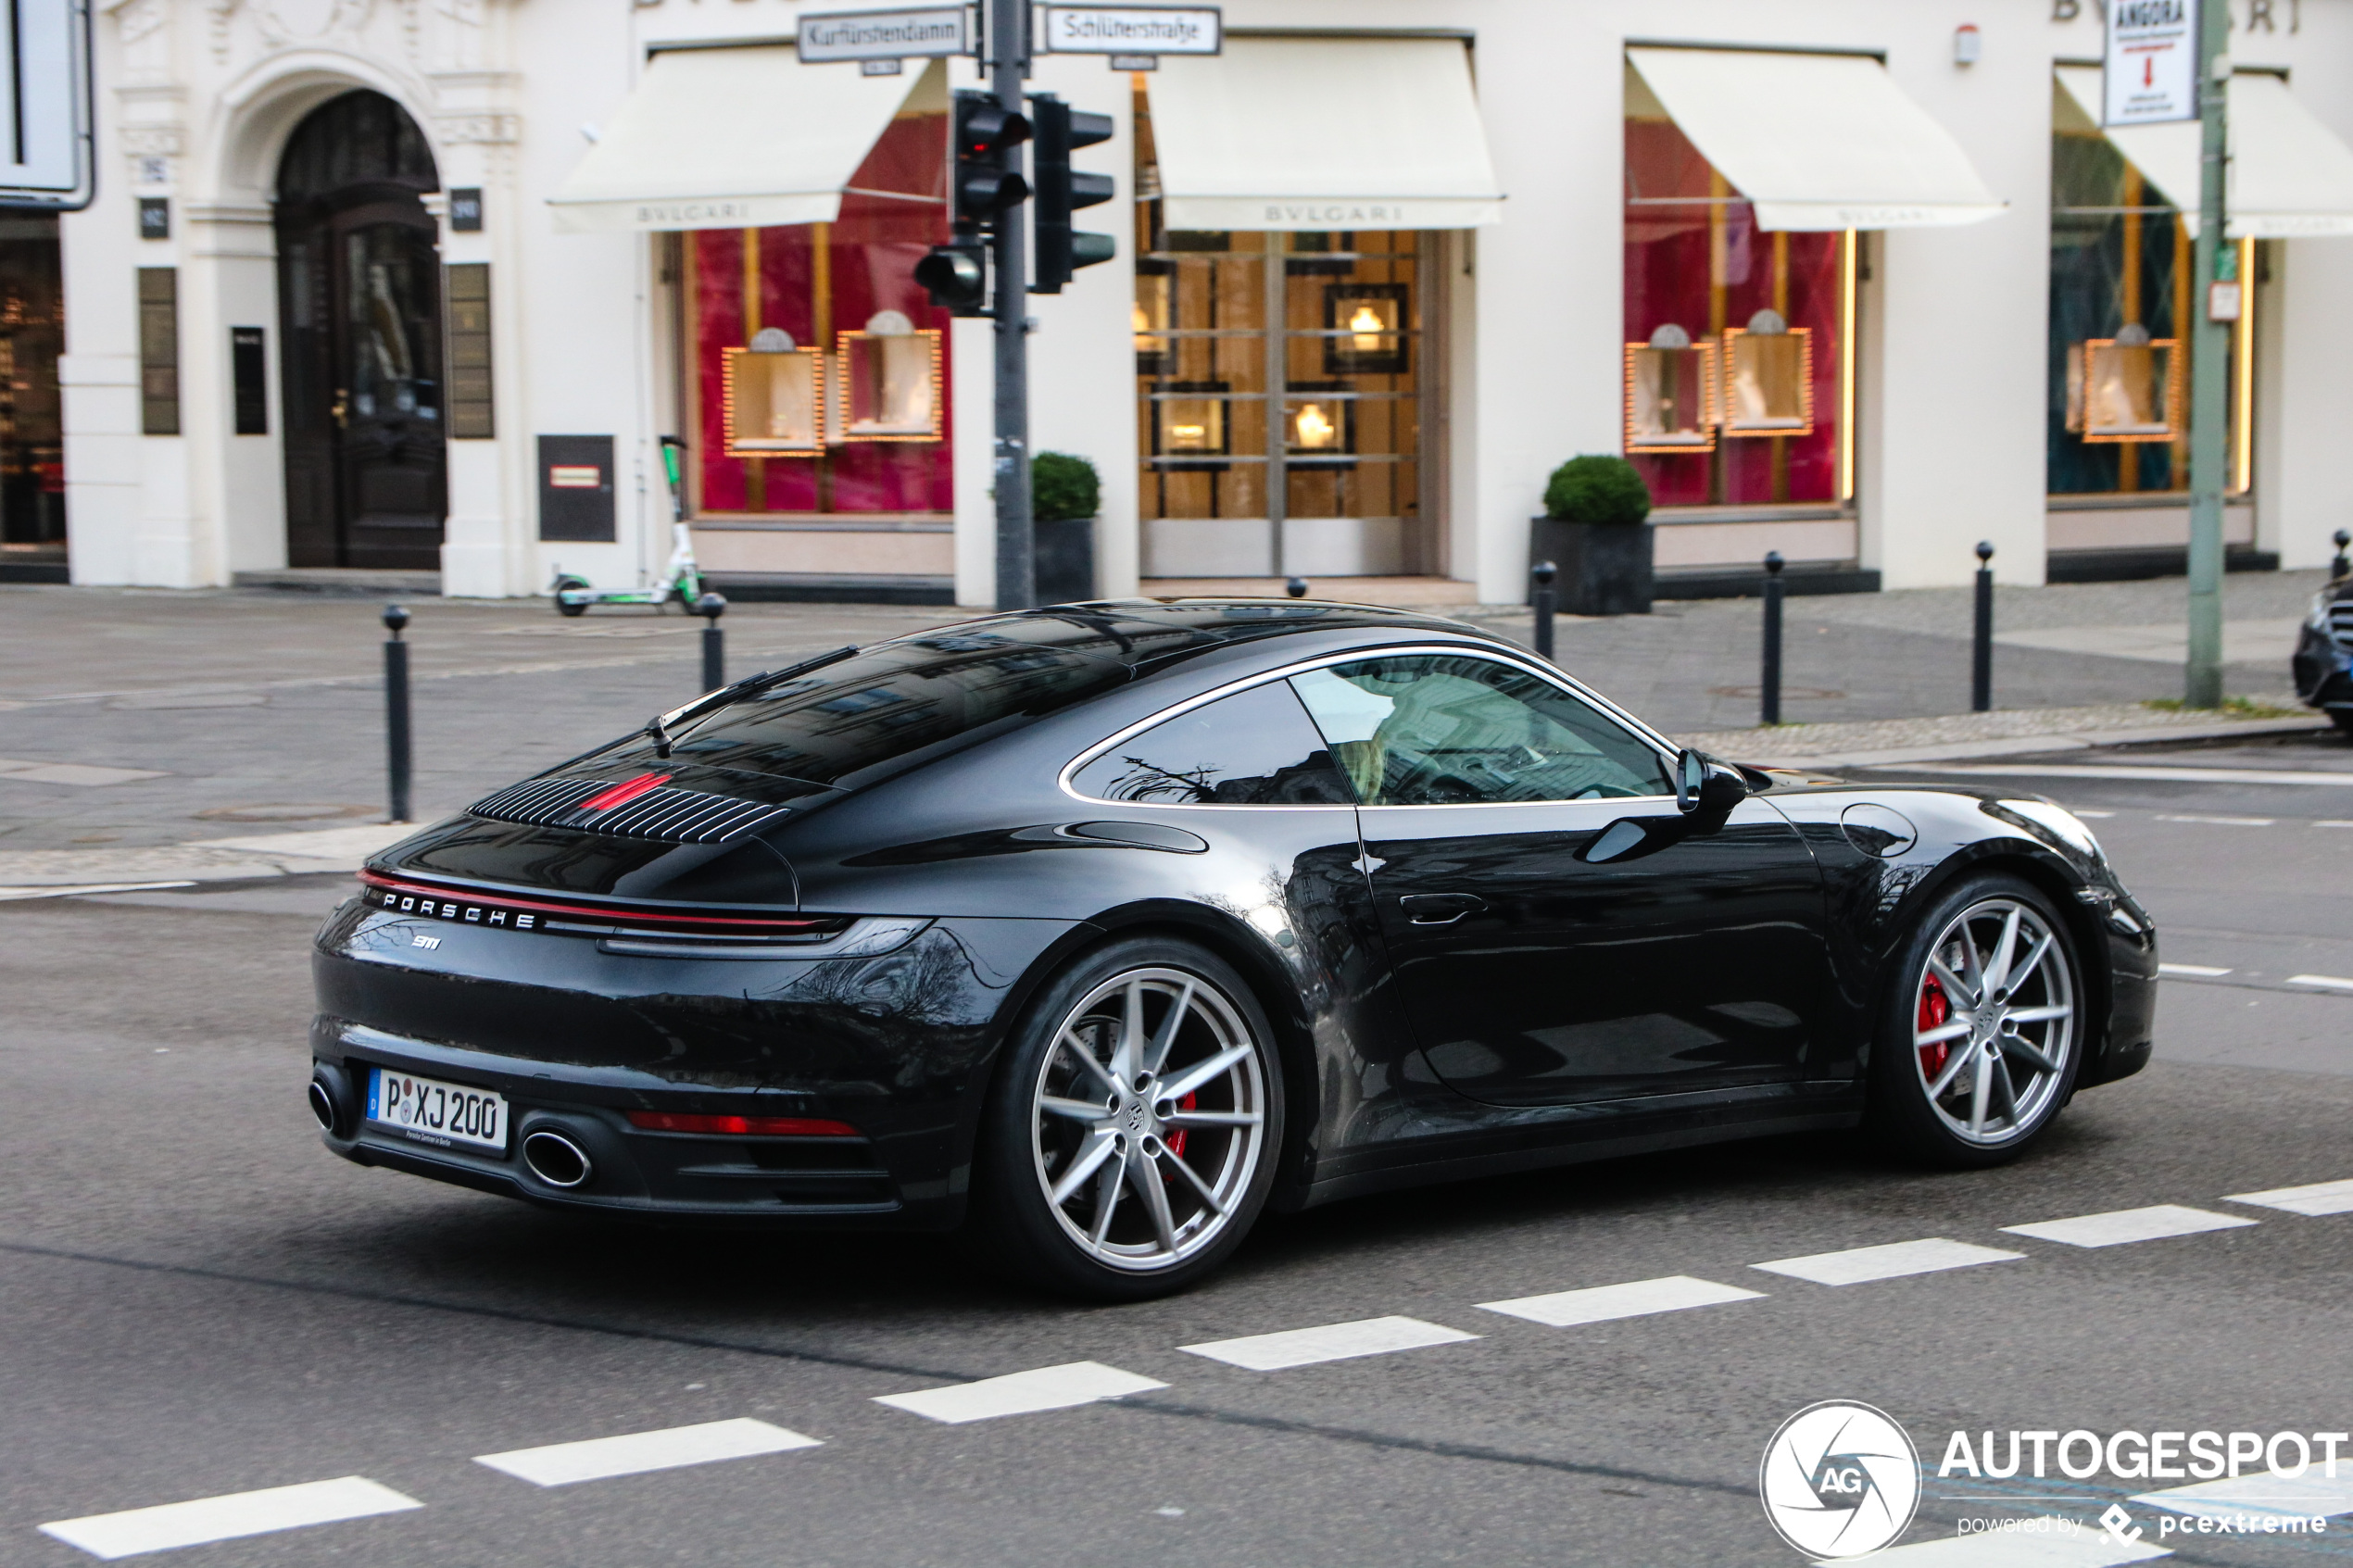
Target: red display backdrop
<point>1696,258</point>
<point>814,281</point>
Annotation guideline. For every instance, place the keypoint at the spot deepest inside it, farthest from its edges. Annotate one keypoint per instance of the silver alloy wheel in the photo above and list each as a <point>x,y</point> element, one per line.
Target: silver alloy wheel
<point>1994,1020</point>
<point>1148,1118</point>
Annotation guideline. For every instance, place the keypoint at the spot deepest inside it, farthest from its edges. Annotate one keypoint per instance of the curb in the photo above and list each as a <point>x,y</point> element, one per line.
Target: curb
<point>2032,745</point>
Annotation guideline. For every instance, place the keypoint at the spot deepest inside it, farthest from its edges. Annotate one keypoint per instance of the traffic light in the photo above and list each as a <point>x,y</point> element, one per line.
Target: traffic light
<point>984,187</point>
<point>956,275</point>
<point>1061,190</point>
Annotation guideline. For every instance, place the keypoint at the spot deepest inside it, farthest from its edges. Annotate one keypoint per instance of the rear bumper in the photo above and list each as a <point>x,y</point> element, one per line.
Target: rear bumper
<point>2131,1013</point>
<point>893,1181</point>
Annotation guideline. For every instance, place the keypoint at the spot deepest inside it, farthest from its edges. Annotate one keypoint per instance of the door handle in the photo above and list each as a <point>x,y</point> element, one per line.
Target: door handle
<point>1439,908</point>
<point>339,410</point>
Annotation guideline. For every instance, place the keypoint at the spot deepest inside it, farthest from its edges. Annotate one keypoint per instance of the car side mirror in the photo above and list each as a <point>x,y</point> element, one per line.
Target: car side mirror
<point>1706,791</point>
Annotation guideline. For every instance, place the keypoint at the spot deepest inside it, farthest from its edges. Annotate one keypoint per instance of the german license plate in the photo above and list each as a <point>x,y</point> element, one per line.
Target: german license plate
<point>435,1112</point>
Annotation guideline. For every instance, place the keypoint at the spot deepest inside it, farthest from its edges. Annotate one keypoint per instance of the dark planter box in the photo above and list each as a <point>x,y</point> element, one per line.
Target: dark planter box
<point>1605,567</point>
<point>1065,560</point>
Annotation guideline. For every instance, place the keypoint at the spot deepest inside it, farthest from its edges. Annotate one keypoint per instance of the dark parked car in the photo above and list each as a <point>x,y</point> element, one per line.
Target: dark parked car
<point>2323,662</point>
<point>1105,926</point>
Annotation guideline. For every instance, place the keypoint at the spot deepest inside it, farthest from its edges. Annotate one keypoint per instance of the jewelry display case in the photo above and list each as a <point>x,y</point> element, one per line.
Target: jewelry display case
<point>890,382</point>
<point>1366,327</point>
<point>1769,378</point>
<point>1670,393</point>
<point>2126,388</point>
<point>772,397</point>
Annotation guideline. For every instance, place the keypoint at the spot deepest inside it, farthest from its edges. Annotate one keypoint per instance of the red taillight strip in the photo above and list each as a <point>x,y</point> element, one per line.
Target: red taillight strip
<point>741,1126</point>
<point>616,916</point>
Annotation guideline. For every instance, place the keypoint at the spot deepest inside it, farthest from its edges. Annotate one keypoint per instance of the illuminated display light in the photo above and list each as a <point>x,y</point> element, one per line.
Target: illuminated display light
<point>772,397</point>
<point>1769,378</point>
<point>1671,394</point>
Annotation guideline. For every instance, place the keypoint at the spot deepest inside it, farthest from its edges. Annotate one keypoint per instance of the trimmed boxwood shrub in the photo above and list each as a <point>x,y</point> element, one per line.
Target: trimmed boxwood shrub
<point>1594,489</point>
<point>1064,488</point>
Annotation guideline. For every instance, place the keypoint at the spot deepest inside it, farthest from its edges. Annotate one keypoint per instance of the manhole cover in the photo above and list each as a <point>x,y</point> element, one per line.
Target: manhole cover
<point>267,812</point>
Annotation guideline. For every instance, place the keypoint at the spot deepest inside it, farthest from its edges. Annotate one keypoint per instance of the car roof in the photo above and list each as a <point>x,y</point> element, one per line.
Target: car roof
<point>1153,634</point>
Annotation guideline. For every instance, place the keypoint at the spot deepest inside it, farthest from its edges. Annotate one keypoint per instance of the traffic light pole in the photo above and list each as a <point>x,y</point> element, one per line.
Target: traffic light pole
<point>1007,34</point>
<point>2209,355</point>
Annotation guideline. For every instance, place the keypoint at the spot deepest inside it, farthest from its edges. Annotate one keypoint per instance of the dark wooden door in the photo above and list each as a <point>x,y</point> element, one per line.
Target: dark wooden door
<point>361,296</point>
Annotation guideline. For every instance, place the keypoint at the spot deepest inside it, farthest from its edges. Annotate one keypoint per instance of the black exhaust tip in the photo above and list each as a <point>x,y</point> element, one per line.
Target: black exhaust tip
<point>555,1159</point>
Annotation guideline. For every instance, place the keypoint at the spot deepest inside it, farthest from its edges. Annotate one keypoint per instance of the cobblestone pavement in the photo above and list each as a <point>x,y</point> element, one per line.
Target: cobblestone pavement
<point>260,712</point>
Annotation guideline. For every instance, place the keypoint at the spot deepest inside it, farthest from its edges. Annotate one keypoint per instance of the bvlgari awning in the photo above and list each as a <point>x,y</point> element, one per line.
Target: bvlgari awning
<point>1816,142</point>
<point>734,138</point>
<point>1301,133</point>
<point>2288,174</point>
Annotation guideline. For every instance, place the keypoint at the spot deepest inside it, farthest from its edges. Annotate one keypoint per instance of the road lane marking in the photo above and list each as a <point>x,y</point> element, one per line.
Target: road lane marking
<point>2324,823</point>
<point>2321,1198</point>
<point>1859,1265</point>
<point>2329,981</point>
<point>1567,1308</point>
<point>2082,811</point>
<point>2097,771</point>
<point>633,1453</point>
<point>1331,1342</point>
<point>2204,971</point>
<point>2224,822</point>
<point>1020,1393</point>
<point>175,1524</point>
<point>2086,1549</point>
<point>2120,1226</point>
<point>2261,1494</point>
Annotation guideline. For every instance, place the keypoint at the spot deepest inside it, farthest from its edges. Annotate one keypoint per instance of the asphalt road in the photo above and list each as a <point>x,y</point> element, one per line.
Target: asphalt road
<point>198,1301</point>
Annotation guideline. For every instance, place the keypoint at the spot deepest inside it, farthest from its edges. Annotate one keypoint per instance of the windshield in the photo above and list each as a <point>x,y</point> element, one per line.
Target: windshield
<point>887,704</point>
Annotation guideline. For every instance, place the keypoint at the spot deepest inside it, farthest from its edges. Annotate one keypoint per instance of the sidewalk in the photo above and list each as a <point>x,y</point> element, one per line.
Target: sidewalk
<point>137,721</point>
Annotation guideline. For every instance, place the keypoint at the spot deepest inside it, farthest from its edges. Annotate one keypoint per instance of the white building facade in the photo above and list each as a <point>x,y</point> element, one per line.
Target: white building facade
<point>420,285</point>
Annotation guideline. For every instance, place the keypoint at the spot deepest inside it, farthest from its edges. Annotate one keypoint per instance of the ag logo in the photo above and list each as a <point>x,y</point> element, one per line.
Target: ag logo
<point>1840,1480</point>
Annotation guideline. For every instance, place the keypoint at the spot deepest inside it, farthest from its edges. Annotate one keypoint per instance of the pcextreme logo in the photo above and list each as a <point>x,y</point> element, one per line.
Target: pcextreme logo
<point>1840,1479</point>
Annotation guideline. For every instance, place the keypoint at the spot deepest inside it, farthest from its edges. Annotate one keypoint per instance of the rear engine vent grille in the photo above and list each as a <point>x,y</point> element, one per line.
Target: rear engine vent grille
<point>677,816</point>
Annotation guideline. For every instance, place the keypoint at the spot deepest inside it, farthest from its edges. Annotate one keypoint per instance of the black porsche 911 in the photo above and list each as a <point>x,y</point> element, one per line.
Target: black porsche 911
<point>1104,927</point>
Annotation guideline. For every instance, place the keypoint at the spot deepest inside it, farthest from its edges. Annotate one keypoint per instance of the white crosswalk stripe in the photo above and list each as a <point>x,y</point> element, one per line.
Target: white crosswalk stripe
<point>227,1518</point>
<point>2262,1494</point>
<point>1021,1393</point>
<point>2087,1548</point>
<point>1859,1265</point>
<point>2124,1226</point>
<point>635,1453</point>
<point>1332,1342</point>
<point>1565,1309</point>
<point>2321,1198</point>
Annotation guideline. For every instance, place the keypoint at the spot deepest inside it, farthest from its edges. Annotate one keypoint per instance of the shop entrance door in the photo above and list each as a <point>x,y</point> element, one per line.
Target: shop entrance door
<point>360,294</point>
<point>1283,388</point>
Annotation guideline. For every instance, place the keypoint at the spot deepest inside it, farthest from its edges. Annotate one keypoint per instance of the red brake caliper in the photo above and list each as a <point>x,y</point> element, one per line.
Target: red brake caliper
<point>1176,1138</point>
<point>1936,1010</point>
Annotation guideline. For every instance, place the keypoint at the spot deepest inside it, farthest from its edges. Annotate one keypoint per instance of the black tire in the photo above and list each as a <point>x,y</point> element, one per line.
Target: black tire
<point>1141,1135</point>
<point>562,607</point>
<point>1925,1099</point>
<point>2343,719</point>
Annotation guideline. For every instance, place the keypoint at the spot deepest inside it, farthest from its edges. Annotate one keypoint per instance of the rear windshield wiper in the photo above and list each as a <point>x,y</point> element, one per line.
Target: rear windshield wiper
<point>663,725</point>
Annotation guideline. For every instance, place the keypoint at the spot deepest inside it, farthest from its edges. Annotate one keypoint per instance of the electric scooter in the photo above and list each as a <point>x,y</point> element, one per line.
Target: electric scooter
<point>681,580</point>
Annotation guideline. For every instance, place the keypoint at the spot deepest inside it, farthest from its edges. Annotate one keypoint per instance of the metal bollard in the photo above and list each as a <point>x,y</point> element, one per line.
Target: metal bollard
<point>396,711</point>
<point>1769,691</point>
<point>1980,673</point>
<point>711,607</point>
<point>2340,567</point>
<point>1545,602</point>
<point>1296,587</point>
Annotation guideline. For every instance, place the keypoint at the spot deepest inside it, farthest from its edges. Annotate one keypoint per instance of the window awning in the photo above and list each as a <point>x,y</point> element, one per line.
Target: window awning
<point>1298,134</point>
<point>2288,174</point>
<point>1816,142</point>
<point>736,138</point>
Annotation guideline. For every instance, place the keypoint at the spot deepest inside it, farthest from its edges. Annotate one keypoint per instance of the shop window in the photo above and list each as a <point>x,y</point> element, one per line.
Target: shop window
<point>1738,356</point>
<point>2120,287</point>
<point>818,368</point>
<point>32,320</point>
<point>1280,379</point>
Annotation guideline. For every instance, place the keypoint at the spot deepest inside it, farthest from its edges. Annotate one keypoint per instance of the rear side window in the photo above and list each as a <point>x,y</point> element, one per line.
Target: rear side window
<point>1255,747</point>
<point>1445,730</point>
<point>887,704</point>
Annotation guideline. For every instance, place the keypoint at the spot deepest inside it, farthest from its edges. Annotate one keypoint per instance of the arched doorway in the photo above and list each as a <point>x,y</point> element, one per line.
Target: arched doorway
<point>359,311</point>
